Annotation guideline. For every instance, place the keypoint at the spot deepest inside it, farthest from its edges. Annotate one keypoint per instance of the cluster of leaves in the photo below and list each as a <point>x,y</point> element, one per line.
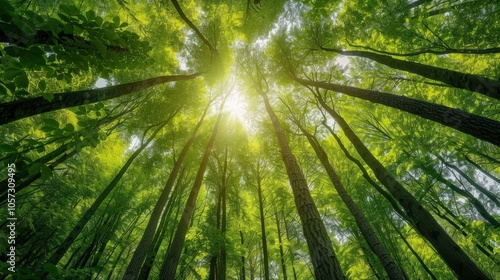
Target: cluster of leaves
<point>62,47</point>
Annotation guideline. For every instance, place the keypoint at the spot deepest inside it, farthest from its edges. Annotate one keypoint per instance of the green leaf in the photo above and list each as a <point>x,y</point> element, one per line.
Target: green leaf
<point>90,15</point>
<point>42,85</point>
<point>50,268</point>
<point>99,46</point>
<point>116,20</point>
<point>22,80</point>
<point>69,127</point>
<point>51,123</point>
<point>46,172</point>
<point>48,96</point>
<point>6,148</point>
<point>34,169</point>
<point>12,73</point>
<point>13,51</point>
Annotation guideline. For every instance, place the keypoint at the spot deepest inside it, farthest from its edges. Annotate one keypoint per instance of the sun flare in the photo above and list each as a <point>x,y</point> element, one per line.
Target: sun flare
<point>236,105</point>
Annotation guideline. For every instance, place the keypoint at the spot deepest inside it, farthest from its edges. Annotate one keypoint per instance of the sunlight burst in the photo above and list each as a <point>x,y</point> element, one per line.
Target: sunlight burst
<point>236,105</point>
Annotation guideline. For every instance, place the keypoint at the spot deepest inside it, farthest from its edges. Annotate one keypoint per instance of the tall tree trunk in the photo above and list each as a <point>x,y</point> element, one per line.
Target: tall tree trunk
<point>419,259</point>
<point>431,171</point>
<point>423,221</point>
<point>456,79</point>
<point>173,203</point>
<point>469,160</point>
<point>223,192</point>
<point>146,242</point>
<point>480,188</point>
<point>263,232</point>
<point>479,127</point>
<point>20,109</point>
<point>325,262</point>
<point>282,254</point>
<point>242,269</point>
<point>367,177</point>
<point>392,269</point>
<point>61,250</point>
<point>171,260</point>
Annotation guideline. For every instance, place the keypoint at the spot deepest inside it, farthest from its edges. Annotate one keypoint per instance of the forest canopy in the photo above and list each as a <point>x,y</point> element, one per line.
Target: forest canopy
<point>250,139</point>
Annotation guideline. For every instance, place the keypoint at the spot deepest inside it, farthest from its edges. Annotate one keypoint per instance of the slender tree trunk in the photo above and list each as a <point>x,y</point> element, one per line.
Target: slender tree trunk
<point>20,109</point>
<point>456,79</point>
<point>460,228</point>
<point>392,269</point>
<point>242,269</point>
<point>419,259</point>
<point>171,260</point>
<point>263,232</point>
<point>23,184</point>
<point>146,242</point>
<point>428,169</point>
<point>481,169</point>
<point>395,205</point>
<point>325,262</point>
<point>287,234</point>
<point>282,254</point>
<point>193,27</point>
<point>223,253</point>
<point>61,250</point>
<point>479,127</point>
<point>423,221</point>
<point>480,188</point>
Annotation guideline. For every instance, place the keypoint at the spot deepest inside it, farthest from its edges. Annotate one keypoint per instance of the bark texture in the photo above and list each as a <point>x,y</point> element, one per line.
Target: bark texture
<point>20,109</point>
<point>479,127</point>
<point>325,262</point>
<point>423,221</point>
<point>456,79</point>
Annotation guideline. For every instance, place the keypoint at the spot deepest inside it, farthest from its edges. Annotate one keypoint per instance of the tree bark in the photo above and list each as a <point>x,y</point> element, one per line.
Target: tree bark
<point>325,262</point>
<point>423,221</point>
<point>171,260</point>
<point>476,83</point>
<point>263,232</point>
<point>479,127</point>
<point>146,242</point>
<point>282,254</point>
<point>20,109</point>
<point>392,269</point>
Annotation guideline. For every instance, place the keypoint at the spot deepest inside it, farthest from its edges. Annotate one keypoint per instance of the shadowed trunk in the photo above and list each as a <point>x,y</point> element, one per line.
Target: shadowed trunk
<point>423,221</point>
<point>325,262</point>
<point>479,127</point>
<point>20,109</point>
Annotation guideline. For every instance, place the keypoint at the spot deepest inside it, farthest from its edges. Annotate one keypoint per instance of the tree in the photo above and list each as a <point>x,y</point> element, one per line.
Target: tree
<point>25,108</point>
<point>451,253</point>
<point>109,172</point>
<point>171,260</point>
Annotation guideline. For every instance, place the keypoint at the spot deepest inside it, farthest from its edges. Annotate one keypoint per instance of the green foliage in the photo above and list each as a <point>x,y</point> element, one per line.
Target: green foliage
<point>48,48</point>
